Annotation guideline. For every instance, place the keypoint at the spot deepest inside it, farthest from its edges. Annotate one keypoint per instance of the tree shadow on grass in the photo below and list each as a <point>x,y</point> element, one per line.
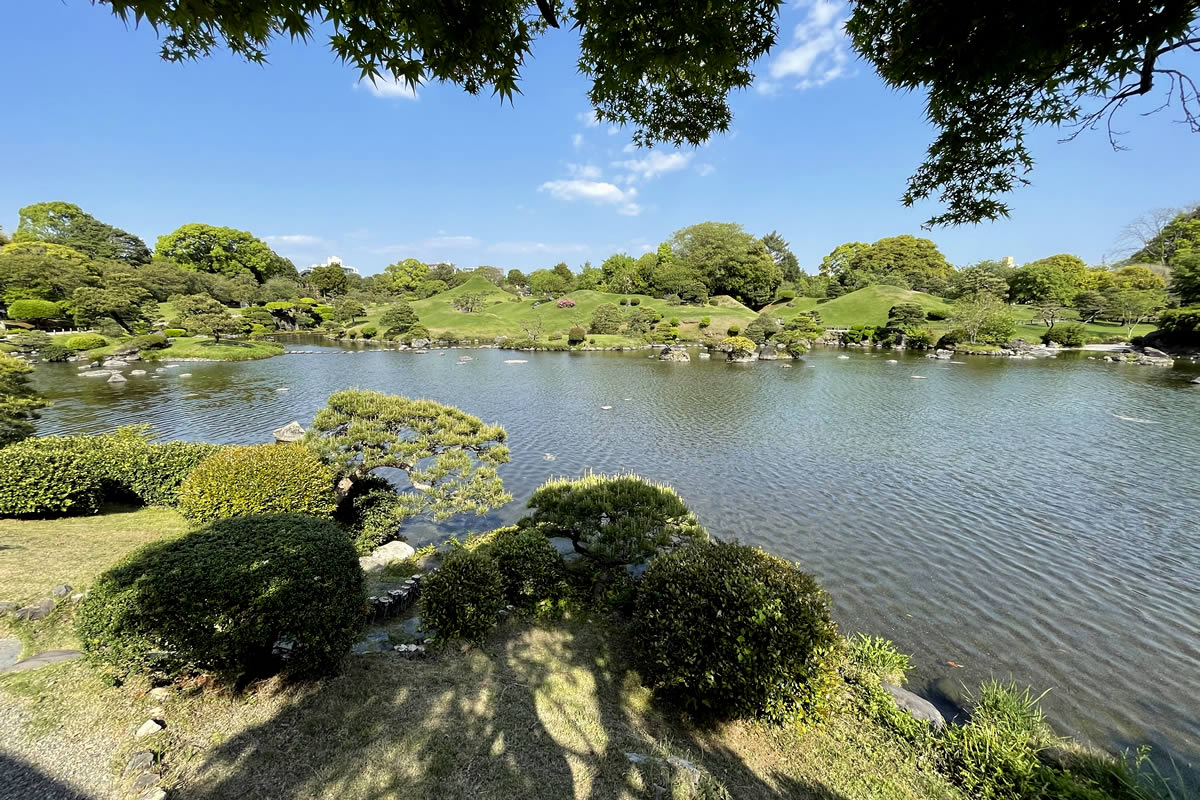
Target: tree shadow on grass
<point>537,712</point>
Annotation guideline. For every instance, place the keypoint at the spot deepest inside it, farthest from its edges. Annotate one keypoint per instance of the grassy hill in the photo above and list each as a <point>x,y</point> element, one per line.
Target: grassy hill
<point>505,314</point>
<point>867,306</point>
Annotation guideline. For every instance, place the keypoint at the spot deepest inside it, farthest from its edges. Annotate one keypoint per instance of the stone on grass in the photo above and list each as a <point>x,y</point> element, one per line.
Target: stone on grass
<point>145,781</point>
<point>292,432</point>
<point>918,707</point>
<point>149,728</point>
<point>78,597</point>
<point>8,608</point>
<point>44,660</point>
<point>153,794</point>
<point>140,762</point>
<point>393,551</point>
<point>369,565</point>
<point>39,610</point>
<point>62,590</point>
<point>160,693</point>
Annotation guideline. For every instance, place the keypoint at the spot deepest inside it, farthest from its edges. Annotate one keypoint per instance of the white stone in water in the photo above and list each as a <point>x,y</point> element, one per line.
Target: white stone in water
<point>117,377</point>
<point>283,389</point>
<point>919,377</point>
<point>845,357</point>
<point>606,408</point>
<point>892,361</point>
<point>516,361</point>
<point>185,374</point>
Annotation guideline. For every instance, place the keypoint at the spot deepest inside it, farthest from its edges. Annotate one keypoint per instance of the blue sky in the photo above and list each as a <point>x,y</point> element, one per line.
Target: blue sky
<point>300,153</point>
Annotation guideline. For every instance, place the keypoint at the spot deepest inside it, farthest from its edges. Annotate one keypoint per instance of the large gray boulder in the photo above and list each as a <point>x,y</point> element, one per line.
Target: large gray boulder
<point>32,613</point>
<point>96,373</point>
<point>741,358</point>
<point>292,432</point>
<point>917,706</point>
<point>117,377</point>
<point>767,352</point>
<point>674,353</point>
<point>419,344</point>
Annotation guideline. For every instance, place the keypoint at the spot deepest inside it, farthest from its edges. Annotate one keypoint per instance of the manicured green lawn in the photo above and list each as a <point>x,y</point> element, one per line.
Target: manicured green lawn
<point>505,314</point>
<point>198,347</point>
<point>867,306</point>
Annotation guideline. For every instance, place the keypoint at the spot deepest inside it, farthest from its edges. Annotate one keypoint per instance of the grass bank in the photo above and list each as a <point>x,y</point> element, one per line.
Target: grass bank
<point>200,347</point>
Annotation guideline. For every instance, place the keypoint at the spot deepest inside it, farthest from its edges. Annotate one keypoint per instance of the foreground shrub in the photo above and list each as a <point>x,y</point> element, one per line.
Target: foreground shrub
<point>531,570</point>
<point>577,335</point>
<point>614,520</point>
<point>921,339</point>
<point>55,352</point>
<point>738,346</point>
<point>19,401</point>
<point>730,631</point>
<point>85,341</point>
<point>174,333</point>
<point>1071,334</point>
<point>219,600</point>
<point>46,482</point>
<point>463,597</point>
<point>258,479</point>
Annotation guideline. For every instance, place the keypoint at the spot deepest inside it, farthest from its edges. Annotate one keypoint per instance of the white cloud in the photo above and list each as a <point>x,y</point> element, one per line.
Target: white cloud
<point>577,141</point>
<point>587,119</point>
<point>705,169</point>
<point>532,248</point>
<point>299,239</point>
<point>654,164</point>
<point>599,192</point>
<point>819,52</point>
<point>389,87</point>
<point>588,172</point>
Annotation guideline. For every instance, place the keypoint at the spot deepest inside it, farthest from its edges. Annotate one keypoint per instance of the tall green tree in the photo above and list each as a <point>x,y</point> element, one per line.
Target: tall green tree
<point>1132,306</point>
<point>398,319</point>
<point>122,299</point>
<point>916,260</point>
<point>1179,235</point>
<point>223,251</point>
<point>729,260</point>
<point>1049,281</point>
<point>26,273</point>
<point>781,253</point>
<point>330,280</point>
<point>984,318</point>
<point>1185,277</point>
<point>977,279</point>
<point>201,314</point>
<point>403,277</point>
<point>841,259</point>
<point>68,224</point>
<point>19,402</point>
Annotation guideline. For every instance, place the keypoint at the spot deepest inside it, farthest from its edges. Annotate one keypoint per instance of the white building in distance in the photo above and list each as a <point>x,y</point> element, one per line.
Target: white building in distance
<point>328,262</point>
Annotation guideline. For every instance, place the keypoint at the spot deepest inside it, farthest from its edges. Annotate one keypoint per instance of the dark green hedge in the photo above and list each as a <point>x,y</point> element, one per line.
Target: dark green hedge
<point>220,599</point>
<point>730,631</point>
<point>463,597</point>
<point>52,476</point>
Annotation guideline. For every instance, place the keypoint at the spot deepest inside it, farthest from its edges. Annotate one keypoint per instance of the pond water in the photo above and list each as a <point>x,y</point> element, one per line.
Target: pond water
<point>1029,520</point>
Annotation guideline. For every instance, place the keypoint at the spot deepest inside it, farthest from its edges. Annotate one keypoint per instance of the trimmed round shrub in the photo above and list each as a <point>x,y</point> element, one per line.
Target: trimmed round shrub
<point>240,598</point>
<point>712,301</point>
<point>150,341</point>
<point>729,631</point>
<point>952,337</point>
<point>705,322</point>
<point>55,352</point>
<point>576,335</point>
<point>624,301</point>
<point>46,481</point>
<point>174,333</point>
<point>531,570</point>
<point>34,310</point>
<point>1071,334</point>
<point>462,598</point>
<point>785,295</point>
<point>733,330</point>
<point>635,301</point>
<point>258,479</point>
<point>417,331</point>
<point>554,337</point>
<point>368,331</point>
<point>85,341</point>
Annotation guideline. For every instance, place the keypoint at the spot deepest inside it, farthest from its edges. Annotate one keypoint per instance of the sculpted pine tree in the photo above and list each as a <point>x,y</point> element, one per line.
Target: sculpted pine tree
<point>449,457</point>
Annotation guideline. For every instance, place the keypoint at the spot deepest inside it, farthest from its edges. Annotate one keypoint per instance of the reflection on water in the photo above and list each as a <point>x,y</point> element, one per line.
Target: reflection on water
<point>1033,520</point>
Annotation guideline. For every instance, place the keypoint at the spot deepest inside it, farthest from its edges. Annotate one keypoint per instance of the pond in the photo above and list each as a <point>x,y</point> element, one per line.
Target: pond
<point>1029,520</point>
